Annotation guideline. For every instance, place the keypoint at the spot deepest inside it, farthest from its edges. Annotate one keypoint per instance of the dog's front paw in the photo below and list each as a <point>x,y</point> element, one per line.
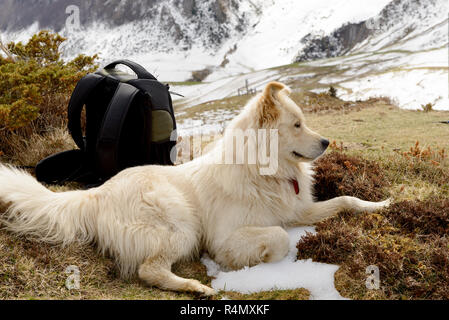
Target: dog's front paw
<point>376,206</point>
<point>198,287</point>
<point>206,291</point>
<point>387,203</point>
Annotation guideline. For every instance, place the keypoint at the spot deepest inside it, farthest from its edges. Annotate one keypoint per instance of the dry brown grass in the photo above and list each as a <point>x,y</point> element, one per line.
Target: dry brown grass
<point>31,270</point>
<point>28,152</point>
<point>412,265</point>
<point>429,164</point>
<point>408,241</point>
<point>338,174</point>
<point>298,294</point>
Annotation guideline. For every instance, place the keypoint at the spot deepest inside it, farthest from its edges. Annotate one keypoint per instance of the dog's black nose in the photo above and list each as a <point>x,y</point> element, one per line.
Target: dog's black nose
<point>325,143</point>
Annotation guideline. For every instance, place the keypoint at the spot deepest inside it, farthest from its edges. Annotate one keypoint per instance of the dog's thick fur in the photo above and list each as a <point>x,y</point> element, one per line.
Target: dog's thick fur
<point>150,217</point>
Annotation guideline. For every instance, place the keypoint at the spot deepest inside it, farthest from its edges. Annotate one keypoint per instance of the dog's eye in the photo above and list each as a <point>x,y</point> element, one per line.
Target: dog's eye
<point>298,125</point>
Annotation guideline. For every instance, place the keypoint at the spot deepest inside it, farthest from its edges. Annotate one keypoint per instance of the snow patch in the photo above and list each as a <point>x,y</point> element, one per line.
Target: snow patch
<point>427,87</point>
<point>287,274</point>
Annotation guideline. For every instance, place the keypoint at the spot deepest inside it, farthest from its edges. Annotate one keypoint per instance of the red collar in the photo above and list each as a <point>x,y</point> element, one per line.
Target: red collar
<point>295,185</point>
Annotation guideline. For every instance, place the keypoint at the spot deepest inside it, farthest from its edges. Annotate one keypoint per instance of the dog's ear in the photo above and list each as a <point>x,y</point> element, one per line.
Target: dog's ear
<point>268,107</point>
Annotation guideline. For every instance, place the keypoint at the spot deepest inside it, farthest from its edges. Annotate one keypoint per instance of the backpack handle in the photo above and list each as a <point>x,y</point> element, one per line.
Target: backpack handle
<point>140,71</point>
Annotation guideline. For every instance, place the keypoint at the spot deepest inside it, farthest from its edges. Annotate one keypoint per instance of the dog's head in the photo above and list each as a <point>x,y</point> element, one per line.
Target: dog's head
<point>275,110</point>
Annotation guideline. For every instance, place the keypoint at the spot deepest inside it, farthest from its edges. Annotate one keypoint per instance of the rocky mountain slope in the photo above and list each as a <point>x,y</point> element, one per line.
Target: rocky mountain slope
<point>155,22</point>
<point>402,24</point>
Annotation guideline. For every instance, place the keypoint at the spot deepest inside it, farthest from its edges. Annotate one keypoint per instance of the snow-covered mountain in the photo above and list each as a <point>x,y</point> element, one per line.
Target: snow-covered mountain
<point>227,36</point>
<point>171,37</point>
<point>375,47</point>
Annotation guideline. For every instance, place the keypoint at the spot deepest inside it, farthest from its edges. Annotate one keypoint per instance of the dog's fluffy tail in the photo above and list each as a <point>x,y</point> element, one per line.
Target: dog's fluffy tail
<point>33,210</point>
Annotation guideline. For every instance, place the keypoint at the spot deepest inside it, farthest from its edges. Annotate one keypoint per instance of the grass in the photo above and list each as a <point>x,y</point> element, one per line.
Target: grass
<point>408,241</point>
<point>298,294</point>
<point>374,156</point>
<point>31,270</point>
<point>339,174</point>
<point>28,152</point>
<point>384,152</point>
<point>383,126</point>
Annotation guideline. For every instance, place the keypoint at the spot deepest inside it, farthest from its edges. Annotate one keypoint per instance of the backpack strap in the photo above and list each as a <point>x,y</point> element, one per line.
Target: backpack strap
<point>61,167</point>
<point>79,98</point>
<point>107,162</point>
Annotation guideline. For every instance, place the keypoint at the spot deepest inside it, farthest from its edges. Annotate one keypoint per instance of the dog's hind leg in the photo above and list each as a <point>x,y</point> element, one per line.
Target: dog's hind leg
<point>320,211</point>
<point>172,224</point>
<point>157,272</point>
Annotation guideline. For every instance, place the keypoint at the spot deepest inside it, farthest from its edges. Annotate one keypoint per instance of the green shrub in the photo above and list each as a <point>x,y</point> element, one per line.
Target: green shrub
<point>36,84</point>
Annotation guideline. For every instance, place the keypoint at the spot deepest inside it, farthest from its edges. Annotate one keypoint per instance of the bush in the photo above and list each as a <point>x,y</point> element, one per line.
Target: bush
<point>332,92</point>
<point>427,107</point>
<point>338,174</point>
<point>426,164</point>
<point>35,86</point>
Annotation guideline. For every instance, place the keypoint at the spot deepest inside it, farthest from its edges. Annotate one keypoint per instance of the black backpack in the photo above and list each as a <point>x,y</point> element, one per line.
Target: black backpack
<point>129,122</point>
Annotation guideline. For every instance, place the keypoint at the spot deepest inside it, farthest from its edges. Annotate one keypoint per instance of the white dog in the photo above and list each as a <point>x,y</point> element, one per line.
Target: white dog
<point>150,217</point>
